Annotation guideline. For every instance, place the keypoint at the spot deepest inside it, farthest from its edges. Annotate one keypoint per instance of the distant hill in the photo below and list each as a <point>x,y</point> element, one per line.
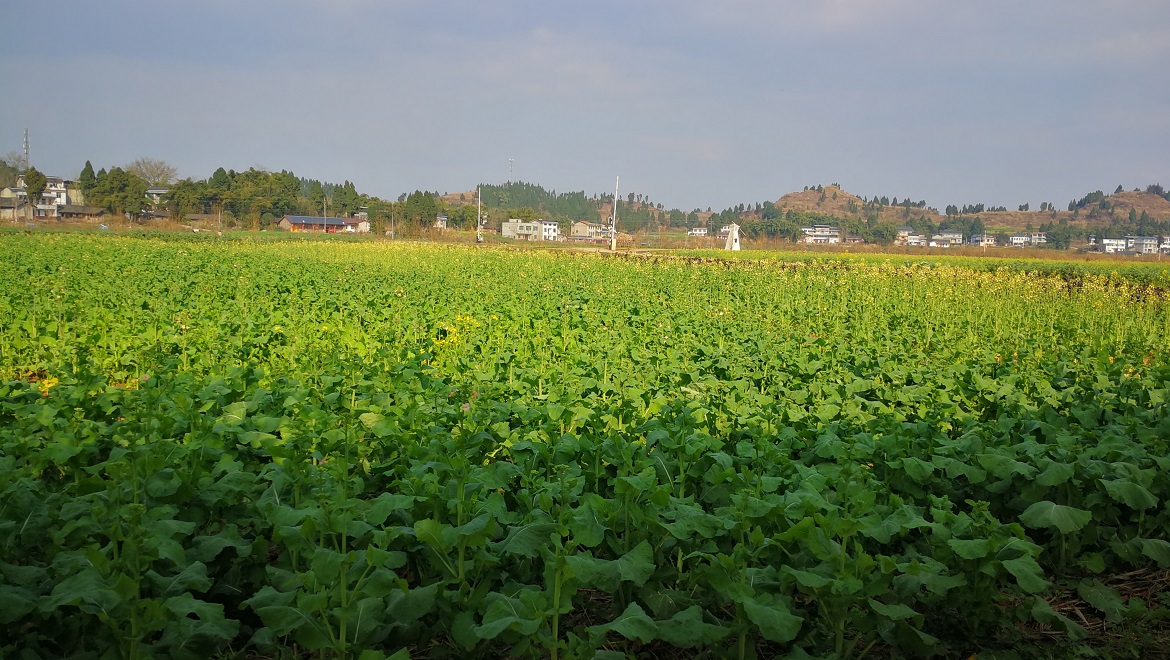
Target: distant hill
<point>832,201</point>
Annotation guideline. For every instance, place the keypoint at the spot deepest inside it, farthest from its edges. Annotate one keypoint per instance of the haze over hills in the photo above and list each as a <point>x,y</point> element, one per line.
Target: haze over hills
<point>833,202</point>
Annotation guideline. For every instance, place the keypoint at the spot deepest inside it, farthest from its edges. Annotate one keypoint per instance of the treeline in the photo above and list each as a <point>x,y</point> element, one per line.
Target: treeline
<point>549,203</point>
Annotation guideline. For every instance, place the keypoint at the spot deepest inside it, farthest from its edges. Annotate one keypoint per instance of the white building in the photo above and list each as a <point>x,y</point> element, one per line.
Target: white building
<point>697,231</point>
<point>156,193</point>
<point>1020,240</point>
<point>1142,244</point>
<point>821,235</point>
<point>1112,245</point>
<point>55,196</point>
<point>550,230</point>
<point>523,230</point>
<point>983,240</point>
<point>947,238</point>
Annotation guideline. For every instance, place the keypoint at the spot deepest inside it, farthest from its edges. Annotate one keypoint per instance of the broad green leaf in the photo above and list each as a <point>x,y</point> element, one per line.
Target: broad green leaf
<point>895,611</point>
<point>775,622</point>
<point>807,579</point>
<point>1044,613</point>
<point>385,504</point>
<point>687,629</point>
<point>917,469</point>
<point>431,532</point>
<point>408,606</point>
<point>1103,598</point>
<point>1156,549</point>
<point>1066,519</point>
<point>633,623</point>
<point>970,548</point>
<point>1055,474</point>
<point>15,602</point>
<point>527,540</point>
<point>1130,494</point>
<point>1027,573</point>
<point>209,619</point>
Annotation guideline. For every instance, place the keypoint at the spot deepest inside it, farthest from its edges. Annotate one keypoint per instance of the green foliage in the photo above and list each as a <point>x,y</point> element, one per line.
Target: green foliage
<point>341,449</point>
<point>87,180</point>
<point>8,173</point>
<point>34,185</point>
<point>572,205</point>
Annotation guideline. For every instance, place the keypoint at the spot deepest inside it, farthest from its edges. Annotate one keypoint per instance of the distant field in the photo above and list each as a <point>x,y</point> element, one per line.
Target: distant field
<point>275,447</point>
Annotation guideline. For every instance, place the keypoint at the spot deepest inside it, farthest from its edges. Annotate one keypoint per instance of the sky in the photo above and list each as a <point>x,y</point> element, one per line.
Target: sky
<point>693,104</point>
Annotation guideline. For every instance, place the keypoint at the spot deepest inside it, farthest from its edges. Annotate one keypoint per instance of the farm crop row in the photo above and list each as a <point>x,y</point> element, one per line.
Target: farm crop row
<point>361,450</point>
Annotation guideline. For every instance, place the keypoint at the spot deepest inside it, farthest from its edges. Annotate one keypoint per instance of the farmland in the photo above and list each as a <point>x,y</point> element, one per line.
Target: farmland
<point>214,448</point>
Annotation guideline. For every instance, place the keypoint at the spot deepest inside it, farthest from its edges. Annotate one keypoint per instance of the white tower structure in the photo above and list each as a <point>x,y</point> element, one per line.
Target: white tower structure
<point>732,238</point>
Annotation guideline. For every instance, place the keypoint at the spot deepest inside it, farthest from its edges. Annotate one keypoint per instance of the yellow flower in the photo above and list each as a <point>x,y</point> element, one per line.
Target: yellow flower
<point>47,384</point>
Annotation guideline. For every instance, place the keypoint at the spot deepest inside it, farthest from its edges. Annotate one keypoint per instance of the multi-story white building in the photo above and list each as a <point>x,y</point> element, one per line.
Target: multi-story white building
<point>697,231</point>
<point>983,240</point>
<point>55,196</point>
<point>523,230</point>
<point>1111,245</point>
<point>1142,244</point>
<point>550,230</point>
<point>821,235</point>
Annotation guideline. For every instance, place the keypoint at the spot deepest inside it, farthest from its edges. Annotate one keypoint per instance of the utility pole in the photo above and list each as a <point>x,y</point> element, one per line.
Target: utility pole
<point>478,215</point>
<point>613,218</point>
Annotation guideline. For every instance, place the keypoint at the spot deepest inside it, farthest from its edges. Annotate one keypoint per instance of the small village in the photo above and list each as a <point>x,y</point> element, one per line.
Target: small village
<point>60,201</point>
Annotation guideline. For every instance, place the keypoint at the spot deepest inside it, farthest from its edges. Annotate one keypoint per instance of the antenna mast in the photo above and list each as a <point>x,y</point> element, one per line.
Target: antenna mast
<point>613,218</point>
<point>25,168</point>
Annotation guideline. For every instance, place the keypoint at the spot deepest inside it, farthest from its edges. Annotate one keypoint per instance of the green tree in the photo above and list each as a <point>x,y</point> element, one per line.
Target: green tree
<point>8,173</point>
<point>885,233</point>
<point>316,196</point>
<point>34,186</point>
<point>120,192</point>
<point>87,180</point>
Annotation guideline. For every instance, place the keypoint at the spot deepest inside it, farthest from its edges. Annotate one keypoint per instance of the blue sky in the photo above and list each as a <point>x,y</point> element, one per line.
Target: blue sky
<point>694,104</point>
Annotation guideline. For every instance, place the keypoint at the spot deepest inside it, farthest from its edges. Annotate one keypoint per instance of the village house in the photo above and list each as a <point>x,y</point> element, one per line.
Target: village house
<point>1020,240</point>
<point>441,221</point>
<point>305,223</point>
<point>79,211</point>
<point>947,238</point>
<point>550,230</point>
<point>585,230</point>
<point>156,194</point>
<point>983,240</point>
<point>12,209</point>
<point>904,233</point>
<point>916,240</point>
<point>697,231</point>
<point>1142,244</point>
<point>523,230</point>
<point>821,235</point>
<point>55,195</point>
<point>1112,245</point>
